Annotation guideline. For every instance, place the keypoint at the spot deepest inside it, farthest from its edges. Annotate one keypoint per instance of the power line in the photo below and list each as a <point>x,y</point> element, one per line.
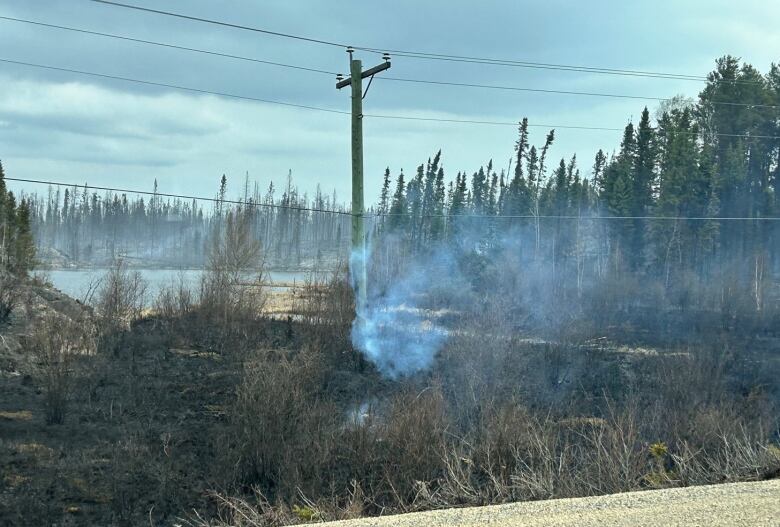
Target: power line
<point>543,66</point>
<point>226,24</point>
<point>562,92</point>
<point>379,215</point>
<point>174,86</point>
<point>551,66</point>
<point>550,126</point>
<point>492,123</point>
<point>431,56</point>
<point>165,45</point>
<point>341,112</point>
<point>179,196</point>
<point>390,78</point>
<point>571,217</point>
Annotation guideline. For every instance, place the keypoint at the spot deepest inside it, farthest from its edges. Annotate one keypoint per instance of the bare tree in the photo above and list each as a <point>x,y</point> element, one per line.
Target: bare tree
<point>232,286</point>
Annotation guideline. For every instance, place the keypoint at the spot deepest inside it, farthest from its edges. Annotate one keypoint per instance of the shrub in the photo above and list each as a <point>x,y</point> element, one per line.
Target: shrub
<point>176,300</point>
<point>729,457</point>
<point>281,428</point>
<point>120,301</point>
<point>413,445</point>
<point>232,288</point>
<point>326,309</point>
<point>57,343</point>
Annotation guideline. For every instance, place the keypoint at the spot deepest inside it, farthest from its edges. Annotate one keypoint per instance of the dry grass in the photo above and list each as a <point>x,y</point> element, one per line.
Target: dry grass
<point>21,415</point>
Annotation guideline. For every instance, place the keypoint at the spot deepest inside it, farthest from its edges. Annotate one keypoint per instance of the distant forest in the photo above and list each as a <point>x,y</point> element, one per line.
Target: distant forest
<point>77,226</point>
<point>691,188</point>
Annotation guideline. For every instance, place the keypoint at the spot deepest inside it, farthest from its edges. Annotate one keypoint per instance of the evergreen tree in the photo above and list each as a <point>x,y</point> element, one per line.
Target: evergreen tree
<point>4,234</point>
<point>221,193</point>
<point>385,195</point>
<point>517,199</point>
<point>24,245</point>
<point>643,184</point>
<point>599,164</point>
<point>678,167</point>
<point>414,201</point>
<point>438,220</point>
<point>479,191</point>
<point>399,209</point>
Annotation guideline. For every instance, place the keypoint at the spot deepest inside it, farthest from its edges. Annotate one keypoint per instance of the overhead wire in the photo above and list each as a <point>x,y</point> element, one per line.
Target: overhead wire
<point>342,112</point>
<point>427,55</point>
<point>560,92</point>
<point>573,217</point>
<point>379,215</point>
<point>225,24</point>
<point>550,126</point>
<point>557,67</point>
<point>174,86</point>
<point>166,45</point>
<point>177,196</point>
<point>381,78</point>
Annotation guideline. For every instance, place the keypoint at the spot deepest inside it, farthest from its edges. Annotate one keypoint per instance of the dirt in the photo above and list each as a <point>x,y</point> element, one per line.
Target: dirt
<point>728,505</point>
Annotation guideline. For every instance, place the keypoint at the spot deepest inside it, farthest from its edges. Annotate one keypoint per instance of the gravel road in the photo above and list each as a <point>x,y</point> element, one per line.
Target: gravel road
<point>734,504</point>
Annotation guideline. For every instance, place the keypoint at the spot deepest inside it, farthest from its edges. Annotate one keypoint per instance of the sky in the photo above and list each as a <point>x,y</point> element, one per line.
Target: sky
<point>59,126</point>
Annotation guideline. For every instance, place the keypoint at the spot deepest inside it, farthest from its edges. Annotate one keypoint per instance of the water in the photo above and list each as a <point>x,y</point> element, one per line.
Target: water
<point>76,283</point>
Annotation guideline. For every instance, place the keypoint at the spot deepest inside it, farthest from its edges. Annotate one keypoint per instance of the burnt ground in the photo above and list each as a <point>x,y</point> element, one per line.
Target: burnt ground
<point>141,437</point>
<point>145,434</point>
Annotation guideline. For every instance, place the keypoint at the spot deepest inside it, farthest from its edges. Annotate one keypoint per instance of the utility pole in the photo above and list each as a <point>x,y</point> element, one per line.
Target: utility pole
<point>355,80</point>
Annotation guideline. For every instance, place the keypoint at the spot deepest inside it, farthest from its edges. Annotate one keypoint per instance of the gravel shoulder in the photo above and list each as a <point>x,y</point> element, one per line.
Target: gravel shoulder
<point>733,504</point>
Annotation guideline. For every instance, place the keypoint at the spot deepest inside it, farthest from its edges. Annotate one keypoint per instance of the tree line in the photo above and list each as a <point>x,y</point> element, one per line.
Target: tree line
<point>692,189</point>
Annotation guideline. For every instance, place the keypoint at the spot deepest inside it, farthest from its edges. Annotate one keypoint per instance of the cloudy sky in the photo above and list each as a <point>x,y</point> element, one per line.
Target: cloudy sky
<point>78,129</point>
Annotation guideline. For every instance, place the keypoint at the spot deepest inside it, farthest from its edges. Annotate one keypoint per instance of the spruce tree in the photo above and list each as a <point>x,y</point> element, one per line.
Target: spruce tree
<point>599,164</point>
<point>458,204</point>
<point>24,245</point>
<point>438,221</point>
<point>678,192</point>
<point>398,209</point>
<point>385,195</point>
<point>643,183</point>
<point>517,199</point>
<point>414,201</point>
<point>3,217</point>
<point>479,191</point>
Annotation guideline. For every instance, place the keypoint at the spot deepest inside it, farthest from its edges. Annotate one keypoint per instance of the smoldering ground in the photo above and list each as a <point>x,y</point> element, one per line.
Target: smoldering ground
<point>536,278</point>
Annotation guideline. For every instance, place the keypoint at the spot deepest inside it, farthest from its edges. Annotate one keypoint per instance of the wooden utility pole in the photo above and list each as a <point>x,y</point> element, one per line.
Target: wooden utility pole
<point>355,80</point>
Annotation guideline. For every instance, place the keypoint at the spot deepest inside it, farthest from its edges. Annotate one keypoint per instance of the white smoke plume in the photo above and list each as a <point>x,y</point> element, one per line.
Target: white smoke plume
<point>392,328</point>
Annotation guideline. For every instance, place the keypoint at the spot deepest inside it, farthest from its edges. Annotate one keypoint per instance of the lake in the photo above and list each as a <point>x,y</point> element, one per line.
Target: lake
<point>76,282</point>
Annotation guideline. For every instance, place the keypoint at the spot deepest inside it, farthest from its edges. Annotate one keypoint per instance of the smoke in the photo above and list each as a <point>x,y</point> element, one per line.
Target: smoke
<point>393,329</point>
<point>471,284</point>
